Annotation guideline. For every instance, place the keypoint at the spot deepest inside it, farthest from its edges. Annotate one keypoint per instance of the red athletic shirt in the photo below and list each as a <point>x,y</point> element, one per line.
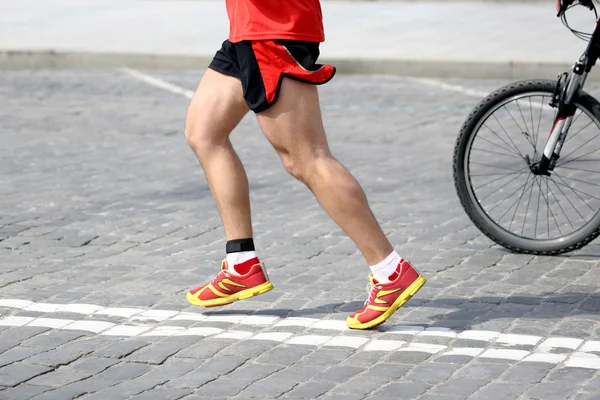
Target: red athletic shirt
<point>275,19</point>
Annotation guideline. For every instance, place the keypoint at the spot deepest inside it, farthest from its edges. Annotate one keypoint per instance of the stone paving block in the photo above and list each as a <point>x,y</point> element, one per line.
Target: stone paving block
<point>13,336</point>
<point>121,349</point>
<point>481,370</point>
<point>162,393</point>
<point>551,391</point>
<point>285,355</point>
<point>526,372</point>
<point>76,371</point>
<point>122,372</point>
<point>18,354</point>
<point>400,390</point>
<point>204,349</point>
<point>23,392</point>
<point>252,372</point>
<point>208,371</point>
<point>14,374</point>
<point>52,339</point>
<point>325,356</point>
<point>431,373</point>
<point>461,387</point>
<point>155,353</point>
<point>310,390</point>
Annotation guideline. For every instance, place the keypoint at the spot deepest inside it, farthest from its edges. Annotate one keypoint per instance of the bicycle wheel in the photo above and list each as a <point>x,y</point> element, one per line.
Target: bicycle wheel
<point>522,211</point>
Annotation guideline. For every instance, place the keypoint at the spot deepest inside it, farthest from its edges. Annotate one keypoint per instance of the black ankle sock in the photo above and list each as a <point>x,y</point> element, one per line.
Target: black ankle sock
<point>238,245</point>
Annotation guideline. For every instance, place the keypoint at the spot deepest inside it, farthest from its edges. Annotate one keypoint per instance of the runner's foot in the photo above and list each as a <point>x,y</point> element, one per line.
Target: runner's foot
<point>386,298</point>
<point>228,287</point>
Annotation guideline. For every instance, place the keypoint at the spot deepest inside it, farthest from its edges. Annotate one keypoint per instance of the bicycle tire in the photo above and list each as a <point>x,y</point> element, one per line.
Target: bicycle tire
<point>573,241</point>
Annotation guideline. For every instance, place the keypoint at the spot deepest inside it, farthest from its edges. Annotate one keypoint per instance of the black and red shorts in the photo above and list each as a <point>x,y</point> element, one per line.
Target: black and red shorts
<point>261,65</point>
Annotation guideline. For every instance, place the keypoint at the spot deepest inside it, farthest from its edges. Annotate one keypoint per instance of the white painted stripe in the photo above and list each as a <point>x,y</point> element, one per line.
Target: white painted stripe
<point>423,348</point>
<point>188,316</point>
<point>576,359</point>
<point>484,336</point>
<point>512,339</point>
<point>450,88</point>
<point>560,343</point>
<point>294,321</point>
<point>85,309</point>
<point>199,331</point>
<point>155,315</point>
<point>384,345</point>
<point>347,341</point>
<point>583,362</point>
<point>259,320</point>
<point>330,325</point>
<point>14,303</point>
<point>165,331</point>
<point>89,326</point>
<point>505,354</point>
<point>443,332</point>
<point>53,323</point>
<point>159,83</point>
<point>234,335</point>
<point>464,351</point>
<point>234,319</point>
<point>591,346</point>
<point>15,321</point>
<point>119,312</point>
<point>405,330</point>
<point>275,336</point>
<point>546,358</point>
<point>311,340</point>
<point>43,307</point>
<point>126,330</point>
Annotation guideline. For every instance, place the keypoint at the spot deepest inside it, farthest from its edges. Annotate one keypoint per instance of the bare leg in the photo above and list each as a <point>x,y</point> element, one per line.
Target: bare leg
<point>216,109</point>
<point>294,127</point>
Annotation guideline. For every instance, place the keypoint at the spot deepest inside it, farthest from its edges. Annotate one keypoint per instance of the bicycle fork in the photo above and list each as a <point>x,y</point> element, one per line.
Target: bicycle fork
<point>563,99</point>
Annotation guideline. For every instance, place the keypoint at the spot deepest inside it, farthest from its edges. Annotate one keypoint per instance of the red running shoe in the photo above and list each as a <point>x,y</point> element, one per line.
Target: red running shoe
<point>386,298</point>
<point>228,287</point>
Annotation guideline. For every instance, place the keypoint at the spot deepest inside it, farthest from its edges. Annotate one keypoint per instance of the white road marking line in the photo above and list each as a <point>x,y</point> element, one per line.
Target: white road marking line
<point>439,332</point>
<point>127,330</point>
<point>591,346</point>
<point>449,87</point>
<point>295,321</point>
<point>159,83</point>
<point>311,340</point>
<point>464,351</point>
<point>505,354</point>
<point>85,309</point>
<point>53,323</point>
<point>15,321</point>
<point>546,358</point>
<point>586,361</point>
<point>469,92</point>
<point>119,312</point>
<point>405,330</point>
<point>576,359</point>
<point>259,320</point>
<point>423,348</point>
<point>14,303</point>
<point>43,307</point>
<point>512,339</point>
<point>332,325</point>
<point>347,341</point>
<point>275,336</point>
<point>384,345</point>
<point>89,326</point>
<point>484,336</point>
<point>560,343</point>
<point>239,335</point>
<point>155,315</point>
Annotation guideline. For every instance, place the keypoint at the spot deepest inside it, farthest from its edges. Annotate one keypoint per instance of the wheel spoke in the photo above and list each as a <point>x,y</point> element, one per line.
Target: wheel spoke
<point>576,194</point>
<point>495,152</point>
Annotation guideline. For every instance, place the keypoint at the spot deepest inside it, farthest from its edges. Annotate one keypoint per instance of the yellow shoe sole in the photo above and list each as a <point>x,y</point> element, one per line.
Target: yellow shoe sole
<point>403,298</point>
<point>244,294</point>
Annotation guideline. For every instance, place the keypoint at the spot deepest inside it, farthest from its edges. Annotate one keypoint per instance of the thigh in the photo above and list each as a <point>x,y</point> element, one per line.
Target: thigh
<point>217,107</point>
<point>293,125</point>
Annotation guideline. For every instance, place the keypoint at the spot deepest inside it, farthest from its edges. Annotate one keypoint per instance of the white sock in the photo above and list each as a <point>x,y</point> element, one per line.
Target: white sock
<point>239,257</point>
<point>385,268</point>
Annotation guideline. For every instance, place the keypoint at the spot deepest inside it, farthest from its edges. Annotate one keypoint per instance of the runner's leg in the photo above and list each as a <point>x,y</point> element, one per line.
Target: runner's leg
<point>294,127</point>
<point>215,110</point>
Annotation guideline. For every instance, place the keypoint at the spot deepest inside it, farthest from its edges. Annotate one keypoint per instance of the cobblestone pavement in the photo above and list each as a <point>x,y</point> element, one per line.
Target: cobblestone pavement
<point>106,221</point>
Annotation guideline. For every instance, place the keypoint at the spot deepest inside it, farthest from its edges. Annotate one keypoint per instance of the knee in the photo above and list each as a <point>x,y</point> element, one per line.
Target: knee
<point>199,136</point>
<point>304,169</point>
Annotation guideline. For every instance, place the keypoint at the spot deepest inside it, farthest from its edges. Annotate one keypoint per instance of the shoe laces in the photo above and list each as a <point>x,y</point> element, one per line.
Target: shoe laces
<point>371,292</point>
